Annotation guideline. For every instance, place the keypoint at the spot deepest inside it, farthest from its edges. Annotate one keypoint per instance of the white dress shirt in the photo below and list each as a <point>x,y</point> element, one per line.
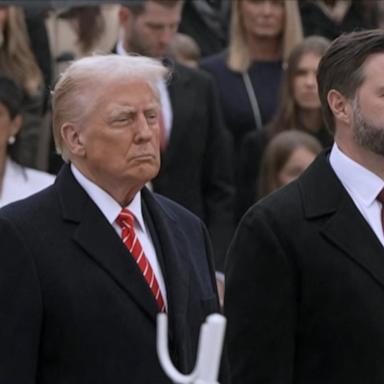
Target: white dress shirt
<point>362,185</point>
<point>165,101</point>
<point>20,182</point>
<point>111,209</point>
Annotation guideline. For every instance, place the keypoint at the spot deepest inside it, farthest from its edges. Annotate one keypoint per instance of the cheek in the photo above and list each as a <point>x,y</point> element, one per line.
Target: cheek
<point>296,88</point>
<point>280,17</point>
<point>247,14</point>
<point>283,178</point>
<point>371,108</point>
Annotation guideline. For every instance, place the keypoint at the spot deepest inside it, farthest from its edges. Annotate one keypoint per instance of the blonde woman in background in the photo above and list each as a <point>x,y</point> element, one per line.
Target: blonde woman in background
<point>249,73</point>
<point>299,109</point>
<point>18,62</point>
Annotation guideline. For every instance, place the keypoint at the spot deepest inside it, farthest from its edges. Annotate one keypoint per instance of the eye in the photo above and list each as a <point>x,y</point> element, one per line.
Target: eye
<point>122,118</point>
<point>301,72</point>
<point>152,117</point>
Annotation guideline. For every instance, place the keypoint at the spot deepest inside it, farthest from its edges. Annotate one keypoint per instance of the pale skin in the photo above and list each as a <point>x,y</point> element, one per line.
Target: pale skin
<point>263,22</point>
<point>370,95</point>
<point>117,145</point>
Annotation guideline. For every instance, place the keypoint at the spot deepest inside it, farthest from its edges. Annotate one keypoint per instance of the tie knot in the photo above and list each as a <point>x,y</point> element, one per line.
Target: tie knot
<point>125,219</point>
<point>380,196</point>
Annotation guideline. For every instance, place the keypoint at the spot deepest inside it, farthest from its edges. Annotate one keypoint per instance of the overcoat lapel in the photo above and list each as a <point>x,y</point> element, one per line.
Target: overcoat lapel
<point>324,196</point>
<point>175,260</point>
<point>101,243</point>
<point>348,230</point>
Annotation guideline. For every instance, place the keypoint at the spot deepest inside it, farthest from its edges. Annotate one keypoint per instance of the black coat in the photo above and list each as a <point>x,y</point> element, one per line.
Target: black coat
<point>360,15</point>
<point>305,288</point>
<point>196,169</point>
<point>74,306</point>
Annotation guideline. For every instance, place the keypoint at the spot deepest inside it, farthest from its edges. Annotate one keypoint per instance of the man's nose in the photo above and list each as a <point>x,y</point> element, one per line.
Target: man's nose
<point>167,35</point>
<point>144,129</point>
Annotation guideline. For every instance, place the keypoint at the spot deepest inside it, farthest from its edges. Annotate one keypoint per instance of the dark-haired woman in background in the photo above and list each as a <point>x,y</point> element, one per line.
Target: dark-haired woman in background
<point>18,63</point>
<point>16,181</point>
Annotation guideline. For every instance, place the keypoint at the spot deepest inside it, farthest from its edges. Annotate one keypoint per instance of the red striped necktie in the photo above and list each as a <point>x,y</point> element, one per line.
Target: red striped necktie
<point>380,198</point>
<point>126,222</point>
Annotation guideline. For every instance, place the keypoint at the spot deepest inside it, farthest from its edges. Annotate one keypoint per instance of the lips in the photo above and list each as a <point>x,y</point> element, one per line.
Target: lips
<point>145,156</point>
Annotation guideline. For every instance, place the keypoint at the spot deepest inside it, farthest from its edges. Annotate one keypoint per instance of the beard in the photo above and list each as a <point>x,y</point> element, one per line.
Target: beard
<point>1,38</point>
<point>365,133</point>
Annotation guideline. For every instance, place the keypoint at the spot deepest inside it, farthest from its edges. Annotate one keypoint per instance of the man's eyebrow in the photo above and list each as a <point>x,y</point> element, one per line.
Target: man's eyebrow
<point>153,106</point>
<point>118,109</point>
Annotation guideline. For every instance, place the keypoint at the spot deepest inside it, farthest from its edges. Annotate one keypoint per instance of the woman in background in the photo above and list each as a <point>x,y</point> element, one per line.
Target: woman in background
<point>249,73</point>
<point>285,158</point>
<point>18,62</point>
<point>300,104</point>
<point>16,181</point>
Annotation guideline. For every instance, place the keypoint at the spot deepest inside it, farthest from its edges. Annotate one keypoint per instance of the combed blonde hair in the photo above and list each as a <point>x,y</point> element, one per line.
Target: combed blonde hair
<point>238,56</point>
<point>76,92</point>
<point>16,58</point>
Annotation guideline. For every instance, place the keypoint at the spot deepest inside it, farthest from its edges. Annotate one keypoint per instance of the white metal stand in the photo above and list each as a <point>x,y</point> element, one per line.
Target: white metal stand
<point>208,353</point>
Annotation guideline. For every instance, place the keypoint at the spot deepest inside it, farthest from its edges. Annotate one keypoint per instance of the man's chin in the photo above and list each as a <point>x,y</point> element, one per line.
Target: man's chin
<point>148,173</point>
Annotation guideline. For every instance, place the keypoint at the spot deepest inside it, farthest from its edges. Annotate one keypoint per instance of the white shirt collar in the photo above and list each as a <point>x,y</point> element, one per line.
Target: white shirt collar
<point>107,205</point>
<point>356,178</point>
<point>120,50</point>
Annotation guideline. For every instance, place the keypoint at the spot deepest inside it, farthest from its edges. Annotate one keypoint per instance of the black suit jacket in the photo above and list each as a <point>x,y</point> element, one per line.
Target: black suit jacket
<point>196,167</point>
<point>74,306</point>
<point>305,288</point>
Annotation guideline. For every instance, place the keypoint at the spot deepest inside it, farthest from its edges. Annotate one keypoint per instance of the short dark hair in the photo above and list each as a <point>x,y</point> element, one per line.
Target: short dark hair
<point>138,6</point>
<point>341,68</point>
<point>11,96</point>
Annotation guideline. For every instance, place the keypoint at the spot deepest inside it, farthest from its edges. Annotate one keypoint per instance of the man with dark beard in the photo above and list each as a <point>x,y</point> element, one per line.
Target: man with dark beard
<point>305,271</point>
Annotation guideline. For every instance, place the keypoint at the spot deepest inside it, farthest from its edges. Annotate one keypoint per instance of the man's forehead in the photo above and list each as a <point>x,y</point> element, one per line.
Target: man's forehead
<point>152,7</point>
<point>116,106</point>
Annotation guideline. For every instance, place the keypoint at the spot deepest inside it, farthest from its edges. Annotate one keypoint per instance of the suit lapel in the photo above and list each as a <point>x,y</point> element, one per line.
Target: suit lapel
<point>344,226</point>
<point>101,243</point>
<point>348,230</point>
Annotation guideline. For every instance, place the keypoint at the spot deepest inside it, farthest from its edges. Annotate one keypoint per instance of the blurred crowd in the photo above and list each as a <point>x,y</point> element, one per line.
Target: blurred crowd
<point>242,116</point>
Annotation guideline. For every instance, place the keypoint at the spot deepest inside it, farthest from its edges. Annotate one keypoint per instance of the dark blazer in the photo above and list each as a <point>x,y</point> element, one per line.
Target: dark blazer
<point>74,306</point>
<point>196,167</point>
<point>305,288</point>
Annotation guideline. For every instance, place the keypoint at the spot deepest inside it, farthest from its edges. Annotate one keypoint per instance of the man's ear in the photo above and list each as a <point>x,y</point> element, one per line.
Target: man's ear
<point>16,124</point>
<point>340,106</point>
<point>73,140</point>
<point>125,15</point>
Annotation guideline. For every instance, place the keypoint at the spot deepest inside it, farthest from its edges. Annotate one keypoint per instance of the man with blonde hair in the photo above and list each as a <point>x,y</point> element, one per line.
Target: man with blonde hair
<point>87,264</point>
<point>196,168</point>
